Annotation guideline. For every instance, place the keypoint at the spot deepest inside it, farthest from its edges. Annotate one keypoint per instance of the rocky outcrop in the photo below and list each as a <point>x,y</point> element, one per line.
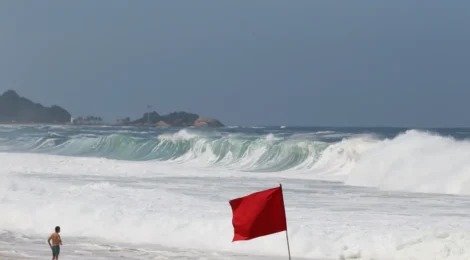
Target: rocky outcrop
<point>163,124</point>
<point>16,109</point>
<point>207,122</point>
<point>176,119</point>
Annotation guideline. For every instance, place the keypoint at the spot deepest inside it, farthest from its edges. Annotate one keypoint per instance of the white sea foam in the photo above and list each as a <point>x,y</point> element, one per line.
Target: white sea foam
<point>415,161</point>
<point>178,208</point>
<point>150,205</point>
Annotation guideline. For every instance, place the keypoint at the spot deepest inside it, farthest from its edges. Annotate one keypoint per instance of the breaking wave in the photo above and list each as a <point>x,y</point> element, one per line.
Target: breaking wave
<point>239,151</point>
<point>413,160</point>
<point>111,200</point>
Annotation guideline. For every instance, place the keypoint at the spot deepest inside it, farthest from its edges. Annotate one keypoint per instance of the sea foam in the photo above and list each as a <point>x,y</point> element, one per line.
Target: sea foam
<point>380,205</point>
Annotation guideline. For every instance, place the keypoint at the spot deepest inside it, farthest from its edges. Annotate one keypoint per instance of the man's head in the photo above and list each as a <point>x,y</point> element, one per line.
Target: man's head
<point>57,229</point>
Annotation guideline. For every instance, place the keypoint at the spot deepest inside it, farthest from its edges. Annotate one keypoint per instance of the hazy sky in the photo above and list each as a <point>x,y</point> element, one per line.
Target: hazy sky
<point>291,62</point>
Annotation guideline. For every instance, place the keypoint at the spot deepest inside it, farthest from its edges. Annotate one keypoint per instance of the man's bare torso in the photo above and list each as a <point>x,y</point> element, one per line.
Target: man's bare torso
<point>55,237</point>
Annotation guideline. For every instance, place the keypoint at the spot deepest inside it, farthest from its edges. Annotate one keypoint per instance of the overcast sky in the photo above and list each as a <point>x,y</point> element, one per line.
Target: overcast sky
<point>291,62</point>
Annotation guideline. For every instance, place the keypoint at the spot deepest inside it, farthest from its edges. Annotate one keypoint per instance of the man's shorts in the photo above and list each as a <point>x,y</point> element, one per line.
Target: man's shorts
<point>55,250</point>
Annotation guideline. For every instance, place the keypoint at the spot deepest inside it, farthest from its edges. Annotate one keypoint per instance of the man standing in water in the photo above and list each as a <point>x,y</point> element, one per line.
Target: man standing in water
<point>56,243</point>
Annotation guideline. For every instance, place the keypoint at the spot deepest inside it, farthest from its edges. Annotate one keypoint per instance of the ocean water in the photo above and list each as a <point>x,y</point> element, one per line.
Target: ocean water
<point>162,193</point>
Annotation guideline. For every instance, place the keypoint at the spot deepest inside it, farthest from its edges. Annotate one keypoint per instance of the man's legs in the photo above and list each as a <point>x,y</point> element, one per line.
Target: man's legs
<point>55,252</point>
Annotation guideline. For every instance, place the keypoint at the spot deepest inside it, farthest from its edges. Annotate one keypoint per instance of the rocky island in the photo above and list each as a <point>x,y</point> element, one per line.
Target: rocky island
<point>19,110</point>
<point>176,119</point>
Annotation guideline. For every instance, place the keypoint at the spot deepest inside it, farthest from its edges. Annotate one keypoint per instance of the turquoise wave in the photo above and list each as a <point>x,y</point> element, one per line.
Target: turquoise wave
<point>251,150</point>
<point>254,153</point>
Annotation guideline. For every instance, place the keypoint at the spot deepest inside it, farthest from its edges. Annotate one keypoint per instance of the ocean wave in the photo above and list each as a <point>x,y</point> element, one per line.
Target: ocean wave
<point>417,161</point>
<point>269,152</point>
<point>114,199</point>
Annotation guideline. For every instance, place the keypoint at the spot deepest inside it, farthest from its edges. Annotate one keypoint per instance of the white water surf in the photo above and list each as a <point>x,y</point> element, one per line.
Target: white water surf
<point>179,210</point>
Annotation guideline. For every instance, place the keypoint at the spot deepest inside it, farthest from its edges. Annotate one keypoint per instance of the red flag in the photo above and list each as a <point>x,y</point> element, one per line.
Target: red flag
<point>258,214</point>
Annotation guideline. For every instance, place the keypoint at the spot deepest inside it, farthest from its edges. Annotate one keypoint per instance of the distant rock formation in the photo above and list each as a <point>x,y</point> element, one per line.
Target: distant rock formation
<point>16,109</point>
<point>210,122</point>
<point>19,110</point>
<point>161,123</point>
<point>176,119</point>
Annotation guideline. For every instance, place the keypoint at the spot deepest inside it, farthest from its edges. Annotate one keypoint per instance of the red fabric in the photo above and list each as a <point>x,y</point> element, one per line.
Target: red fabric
<point>258,214</point>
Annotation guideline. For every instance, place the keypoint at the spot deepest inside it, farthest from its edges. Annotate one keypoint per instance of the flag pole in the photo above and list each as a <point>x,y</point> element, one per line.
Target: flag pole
<point>287,235</point>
